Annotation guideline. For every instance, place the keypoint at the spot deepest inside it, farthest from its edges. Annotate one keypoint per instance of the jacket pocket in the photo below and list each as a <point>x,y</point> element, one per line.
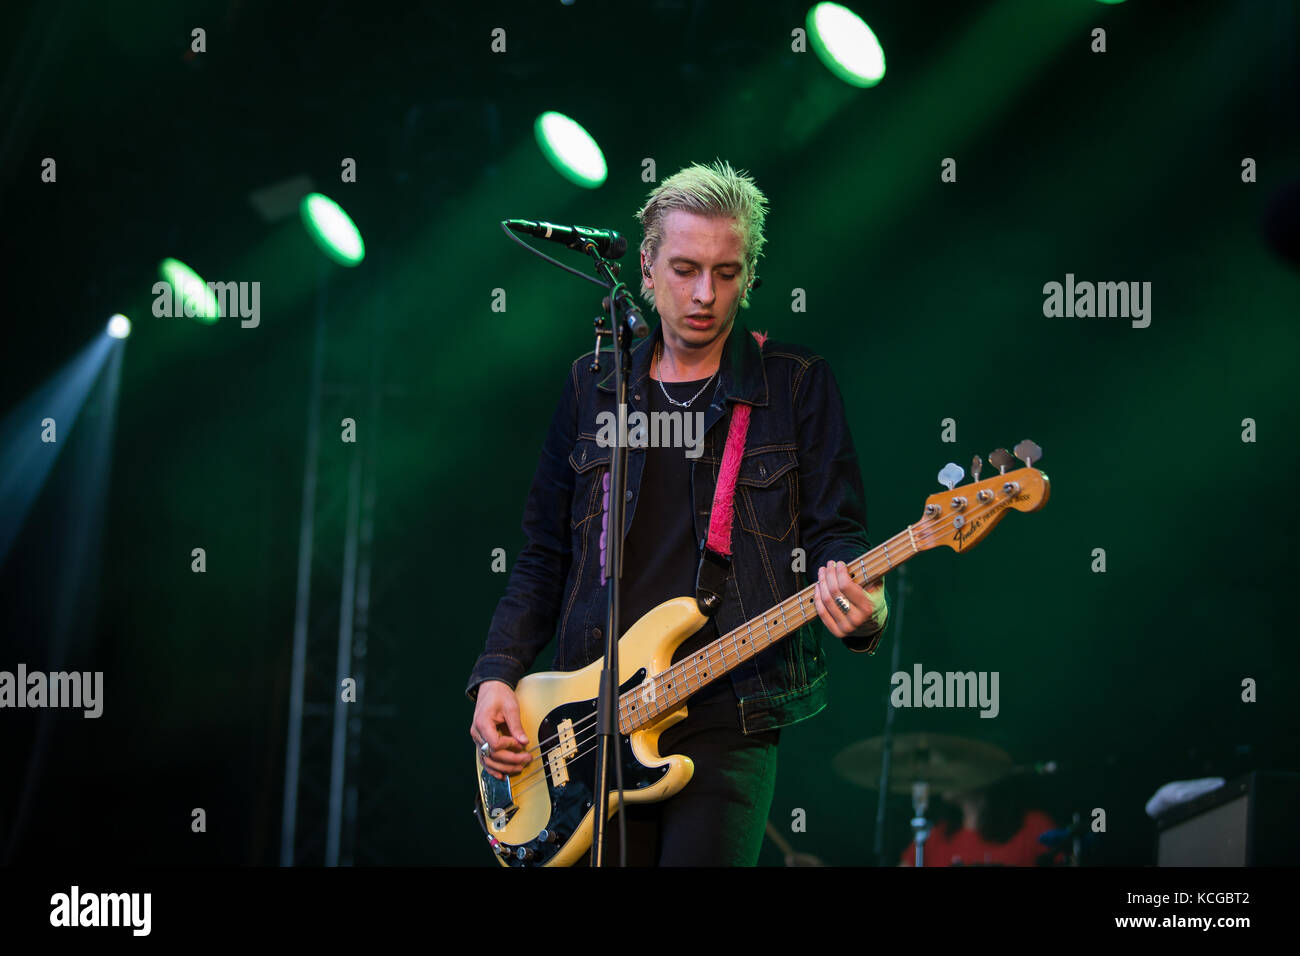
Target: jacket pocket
<point>767,492</point>
<point>586,460</point>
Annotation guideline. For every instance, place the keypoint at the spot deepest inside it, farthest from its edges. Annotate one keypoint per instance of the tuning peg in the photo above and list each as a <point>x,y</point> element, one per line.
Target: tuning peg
<point>951,474</point>
<point>1028,452</point>
<point>1001,459</point>
<point>976,466</point>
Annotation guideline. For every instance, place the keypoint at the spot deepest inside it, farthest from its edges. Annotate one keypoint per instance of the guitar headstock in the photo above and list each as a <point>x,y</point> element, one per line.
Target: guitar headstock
<point>960,517</point>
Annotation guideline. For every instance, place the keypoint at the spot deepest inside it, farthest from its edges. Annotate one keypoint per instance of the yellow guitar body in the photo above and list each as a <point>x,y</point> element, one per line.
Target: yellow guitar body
<point>646,649</point>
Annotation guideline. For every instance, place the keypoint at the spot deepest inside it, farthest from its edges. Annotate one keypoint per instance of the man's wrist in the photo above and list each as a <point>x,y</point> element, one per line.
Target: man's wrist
<point>872,626</point>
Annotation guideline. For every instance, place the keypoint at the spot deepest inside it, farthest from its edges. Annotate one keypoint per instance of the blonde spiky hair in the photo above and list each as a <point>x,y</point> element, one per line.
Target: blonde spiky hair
<point>716,190</point>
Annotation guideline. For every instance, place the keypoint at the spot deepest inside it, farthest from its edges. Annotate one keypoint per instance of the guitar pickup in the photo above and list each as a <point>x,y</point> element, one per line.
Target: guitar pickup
<point>558,756</point>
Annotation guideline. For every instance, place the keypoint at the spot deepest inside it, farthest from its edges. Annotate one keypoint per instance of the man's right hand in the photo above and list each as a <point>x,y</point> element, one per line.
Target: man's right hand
<point>496,720</point>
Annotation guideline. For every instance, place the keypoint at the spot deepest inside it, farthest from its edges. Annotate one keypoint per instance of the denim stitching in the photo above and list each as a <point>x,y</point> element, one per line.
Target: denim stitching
<point>577,586</point>
<point>506,656</point>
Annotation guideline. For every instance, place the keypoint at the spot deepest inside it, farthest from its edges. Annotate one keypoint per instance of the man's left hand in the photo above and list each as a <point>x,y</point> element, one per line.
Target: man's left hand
<point>867,609</point>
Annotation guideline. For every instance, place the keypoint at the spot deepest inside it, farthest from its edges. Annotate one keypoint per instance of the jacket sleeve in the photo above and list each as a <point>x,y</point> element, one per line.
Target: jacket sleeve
<point>527,615</point>
<point>832,509</point>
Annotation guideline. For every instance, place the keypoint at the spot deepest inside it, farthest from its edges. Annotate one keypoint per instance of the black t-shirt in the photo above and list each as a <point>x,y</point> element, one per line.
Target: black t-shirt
<point>661,555</point>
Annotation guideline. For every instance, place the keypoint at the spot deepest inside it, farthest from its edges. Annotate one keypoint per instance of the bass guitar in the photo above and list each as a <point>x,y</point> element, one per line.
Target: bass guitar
<point>543,814</point>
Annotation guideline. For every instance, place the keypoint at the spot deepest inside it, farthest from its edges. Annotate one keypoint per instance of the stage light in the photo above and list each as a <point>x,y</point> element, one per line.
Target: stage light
<point>119,326</point>
<point>570,149</point>
<point>191,295</point>
<point>333,229</point>
<point>846,44</point>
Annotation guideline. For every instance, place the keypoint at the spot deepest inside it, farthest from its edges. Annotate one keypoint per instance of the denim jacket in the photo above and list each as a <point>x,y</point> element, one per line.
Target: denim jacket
<point>799,487</point>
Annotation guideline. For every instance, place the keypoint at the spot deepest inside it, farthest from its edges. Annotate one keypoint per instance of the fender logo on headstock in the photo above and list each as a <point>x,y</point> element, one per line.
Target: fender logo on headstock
<point>970,528</point>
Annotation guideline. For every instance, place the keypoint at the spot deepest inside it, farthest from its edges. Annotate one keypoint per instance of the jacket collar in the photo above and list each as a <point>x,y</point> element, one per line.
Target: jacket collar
<point>743,378</point>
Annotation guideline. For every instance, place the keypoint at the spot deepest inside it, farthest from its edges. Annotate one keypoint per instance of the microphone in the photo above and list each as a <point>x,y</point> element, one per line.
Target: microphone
<point>609,242</point>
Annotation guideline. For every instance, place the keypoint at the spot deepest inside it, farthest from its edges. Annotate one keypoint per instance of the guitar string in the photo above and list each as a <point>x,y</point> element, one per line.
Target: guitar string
<point>797,599</point>
<point>694,659</point>
<point>528,779</point>
<point>536,750</point>
<point>724,648</point>
<point>588,745</point>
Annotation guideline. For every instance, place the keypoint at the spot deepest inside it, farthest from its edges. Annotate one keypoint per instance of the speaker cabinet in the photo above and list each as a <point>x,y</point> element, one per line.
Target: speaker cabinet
<point>1252,820</point>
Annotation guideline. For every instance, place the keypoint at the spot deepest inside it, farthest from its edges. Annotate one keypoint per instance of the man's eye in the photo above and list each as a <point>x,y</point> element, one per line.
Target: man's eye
<point>682,272</point>
<point>727,276</point>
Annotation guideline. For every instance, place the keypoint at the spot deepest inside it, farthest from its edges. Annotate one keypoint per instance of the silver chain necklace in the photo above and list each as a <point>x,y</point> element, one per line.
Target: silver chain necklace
<point>687,403</point>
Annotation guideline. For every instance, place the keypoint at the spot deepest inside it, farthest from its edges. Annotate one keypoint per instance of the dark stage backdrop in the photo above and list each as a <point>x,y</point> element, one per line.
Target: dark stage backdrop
<point>926,295</point>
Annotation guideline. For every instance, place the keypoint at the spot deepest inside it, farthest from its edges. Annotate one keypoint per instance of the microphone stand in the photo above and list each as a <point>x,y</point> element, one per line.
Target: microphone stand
<point>631,325</point>
<point>618,303</point>
<point>887,741</point>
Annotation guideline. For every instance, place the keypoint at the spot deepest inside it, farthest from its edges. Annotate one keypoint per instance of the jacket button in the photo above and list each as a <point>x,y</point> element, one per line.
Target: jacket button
<point>762,471</point>
<point>636,398</point>
<point>628,496</point>
<point>597,633</point>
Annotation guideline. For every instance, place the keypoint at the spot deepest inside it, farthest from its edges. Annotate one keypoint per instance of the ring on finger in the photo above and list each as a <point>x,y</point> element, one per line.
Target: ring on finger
<point>843,604</point>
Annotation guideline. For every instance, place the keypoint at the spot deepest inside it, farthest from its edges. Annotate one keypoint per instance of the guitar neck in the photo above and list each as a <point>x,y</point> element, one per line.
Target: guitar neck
<point>669,689</point>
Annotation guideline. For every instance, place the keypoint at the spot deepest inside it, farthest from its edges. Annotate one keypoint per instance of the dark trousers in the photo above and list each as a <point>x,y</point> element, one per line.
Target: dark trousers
<point>720,816</point>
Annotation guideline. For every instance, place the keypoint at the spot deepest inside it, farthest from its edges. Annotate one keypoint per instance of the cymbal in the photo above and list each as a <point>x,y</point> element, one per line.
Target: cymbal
<point>943,761</point>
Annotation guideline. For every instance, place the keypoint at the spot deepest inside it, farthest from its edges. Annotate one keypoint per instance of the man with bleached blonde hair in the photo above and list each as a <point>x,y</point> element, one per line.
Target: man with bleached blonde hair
<point>798,503</point>
<point>714,191</point>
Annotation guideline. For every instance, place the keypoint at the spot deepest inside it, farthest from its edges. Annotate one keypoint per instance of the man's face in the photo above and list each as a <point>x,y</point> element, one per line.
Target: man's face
<point>698,275</point>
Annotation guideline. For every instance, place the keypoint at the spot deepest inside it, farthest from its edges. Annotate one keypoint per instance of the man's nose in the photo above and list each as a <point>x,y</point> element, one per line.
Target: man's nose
<point>704,289</point>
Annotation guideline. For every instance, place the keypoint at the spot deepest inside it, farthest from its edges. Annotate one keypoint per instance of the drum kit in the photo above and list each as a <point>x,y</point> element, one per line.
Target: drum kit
<point>922,765</point>
<point>925,765</point>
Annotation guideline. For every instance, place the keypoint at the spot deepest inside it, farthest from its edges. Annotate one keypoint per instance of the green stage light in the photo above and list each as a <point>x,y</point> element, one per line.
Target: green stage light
<point>333,229</point>
<point>119,326</point>
<point>191,295</point>
<point>846,44</point>
<point>570,149</point>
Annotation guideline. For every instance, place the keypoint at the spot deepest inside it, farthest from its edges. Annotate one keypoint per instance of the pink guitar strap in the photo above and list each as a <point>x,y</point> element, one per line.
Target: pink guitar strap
<point>715,561</point>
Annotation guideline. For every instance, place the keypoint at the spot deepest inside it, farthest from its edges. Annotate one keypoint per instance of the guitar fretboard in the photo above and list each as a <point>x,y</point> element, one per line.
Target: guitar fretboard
<point>667,690</point>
